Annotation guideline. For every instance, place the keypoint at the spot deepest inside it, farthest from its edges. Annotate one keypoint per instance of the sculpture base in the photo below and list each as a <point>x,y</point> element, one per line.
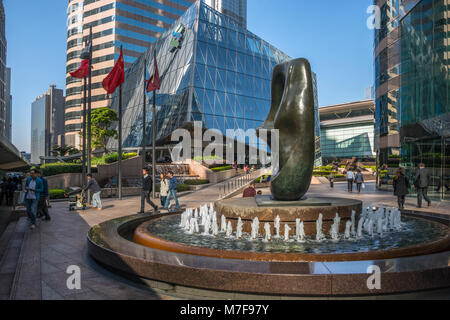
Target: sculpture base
<point>307,211</point>
<point>268,201</point>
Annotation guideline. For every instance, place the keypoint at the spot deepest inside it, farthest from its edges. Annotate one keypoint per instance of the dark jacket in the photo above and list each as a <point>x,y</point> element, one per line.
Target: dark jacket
<point>93,185</point>
<point>173,183</point>
<point>45,193</point>
<point>401,186</point>
<point>148,184</point>
<point>422,179</point>
<point>359,178</point>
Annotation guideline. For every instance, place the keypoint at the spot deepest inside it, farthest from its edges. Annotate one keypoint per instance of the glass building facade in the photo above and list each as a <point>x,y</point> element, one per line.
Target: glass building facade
<point>218,73</point>
<point>422,96</point>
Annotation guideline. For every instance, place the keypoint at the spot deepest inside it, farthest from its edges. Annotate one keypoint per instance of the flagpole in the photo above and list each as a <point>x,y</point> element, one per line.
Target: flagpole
<point>144,137</point>
<point>83,176</point>
<point>120,141</point>
<point>89,126</point>
<point>154,135</point>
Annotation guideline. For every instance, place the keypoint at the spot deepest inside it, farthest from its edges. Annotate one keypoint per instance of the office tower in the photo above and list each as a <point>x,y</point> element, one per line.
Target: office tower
<point>8,100</point>
<point>4,100</point>
<point>413,89</point>
<point>236,9</point>
<point>214,72</point>
<point>134,24</point>
<point>47,123</point>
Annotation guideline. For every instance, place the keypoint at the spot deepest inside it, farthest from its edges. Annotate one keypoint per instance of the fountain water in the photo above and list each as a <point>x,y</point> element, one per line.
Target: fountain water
<point>319,233</point>
<point>334,231</point>
<point>255,229</point>
<point>223,224</point>
<point>353,223</point>
<point>360,227</point>
<point>240,226</point>
<point>207,227</point>
<point>229,230</point>
<point>287,230</point>
<point>348,227</point>
<point>277,226</point>
<point>267,230</point>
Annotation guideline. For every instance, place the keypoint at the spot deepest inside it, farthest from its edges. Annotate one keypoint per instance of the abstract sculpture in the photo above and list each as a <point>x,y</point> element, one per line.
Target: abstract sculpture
<point>292,113</point>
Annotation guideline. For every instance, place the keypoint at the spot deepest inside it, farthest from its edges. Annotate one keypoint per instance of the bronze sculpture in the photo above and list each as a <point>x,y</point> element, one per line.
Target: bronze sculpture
<point>292,113</point>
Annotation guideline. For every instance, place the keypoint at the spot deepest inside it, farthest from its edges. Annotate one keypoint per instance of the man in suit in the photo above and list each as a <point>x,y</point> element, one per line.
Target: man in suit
<point>33,187</point>
<point>147,189</point>
<point>421,182</point>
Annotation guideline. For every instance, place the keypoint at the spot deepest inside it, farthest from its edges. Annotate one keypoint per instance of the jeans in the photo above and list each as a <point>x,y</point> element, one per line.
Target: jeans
<point>96,201</point>
<point>422,193</point>
<point>358,186</point>
<point>145,196</point>
<point>31,205</point>
<point>401,201</point>
<point>350,185</point>
<point>172,193</point>
<point>42,208</point>
<point>163,200</point>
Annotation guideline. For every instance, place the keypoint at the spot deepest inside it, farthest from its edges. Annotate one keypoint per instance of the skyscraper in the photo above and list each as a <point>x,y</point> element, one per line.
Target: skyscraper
<point>4,115</point>
<point>47,123</point>
<point>8,100</point>
<point>134,24</point>
<point>236,9</point>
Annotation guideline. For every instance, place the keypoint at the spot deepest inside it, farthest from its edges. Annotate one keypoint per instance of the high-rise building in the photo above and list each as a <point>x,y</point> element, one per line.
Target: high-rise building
<point>236,9</point>
<point>4,100</point>
<point>8,99</point>
<point>133,24</point>
<point>47,123</point>
<point>214,72</point>
<point>412,51</point>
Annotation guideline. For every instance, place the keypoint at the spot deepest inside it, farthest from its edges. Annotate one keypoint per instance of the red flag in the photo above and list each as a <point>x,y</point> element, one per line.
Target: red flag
<point>154,83</point>
<point>82,71</point>
<point>116,77</point>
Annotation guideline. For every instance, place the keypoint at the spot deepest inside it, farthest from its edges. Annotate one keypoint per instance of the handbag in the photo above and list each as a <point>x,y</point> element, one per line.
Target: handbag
<point>21,199</point>
<point>363,185</point>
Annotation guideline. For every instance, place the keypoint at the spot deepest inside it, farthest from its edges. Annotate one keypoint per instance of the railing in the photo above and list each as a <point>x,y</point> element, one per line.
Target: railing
<point>230,186</point>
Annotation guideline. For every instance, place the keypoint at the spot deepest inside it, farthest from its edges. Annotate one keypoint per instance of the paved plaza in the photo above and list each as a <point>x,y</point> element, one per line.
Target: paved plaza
<point>34,263</point>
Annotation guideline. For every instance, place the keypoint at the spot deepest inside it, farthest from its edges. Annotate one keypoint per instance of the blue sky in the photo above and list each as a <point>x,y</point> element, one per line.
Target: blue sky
<point>331,34</point>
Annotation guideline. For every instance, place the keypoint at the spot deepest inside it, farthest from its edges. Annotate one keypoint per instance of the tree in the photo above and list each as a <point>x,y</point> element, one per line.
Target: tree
<point>62,151</point>
<point>102,119</point>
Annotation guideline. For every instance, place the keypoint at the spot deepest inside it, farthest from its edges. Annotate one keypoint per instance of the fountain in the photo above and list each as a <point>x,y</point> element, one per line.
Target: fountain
<point>171,248</point>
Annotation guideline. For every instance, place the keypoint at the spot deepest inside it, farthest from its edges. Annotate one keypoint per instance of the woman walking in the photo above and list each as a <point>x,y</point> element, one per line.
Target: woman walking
<point>164,189</point>
<point>401,187</point>
<point>359,179</point>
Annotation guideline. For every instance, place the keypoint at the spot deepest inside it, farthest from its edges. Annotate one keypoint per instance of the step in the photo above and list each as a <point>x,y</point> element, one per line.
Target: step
<point>11,241</point>
<point>27,283</point>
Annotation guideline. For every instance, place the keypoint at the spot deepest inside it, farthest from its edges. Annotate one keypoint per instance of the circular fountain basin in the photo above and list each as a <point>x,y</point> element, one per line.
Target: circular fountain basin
<point>416,237</point>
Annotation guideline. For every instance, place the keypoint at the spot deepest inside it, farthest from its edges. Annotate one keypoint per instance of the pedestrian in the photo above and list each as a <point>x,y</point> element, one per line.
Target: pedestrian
<point>401,187</point>
<point>422,182</point>
<point>33,187</point>
<point>173,184</point>
<point>4,191</point>
<point>12,187</point>
<point>147,189</point>
<point>359,179</point>
<point>331,179</point>
<point>350,180</point>
<point>42,210</point>
<point>250,192</point>
<point>164,189</point>
<point>96,190</point>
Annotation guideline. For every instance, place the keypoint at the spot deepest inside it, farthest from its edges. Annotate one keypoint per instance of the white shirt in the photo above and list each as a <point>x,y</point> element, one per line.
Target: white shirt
<point>30,194</point>
<point>350,175</point>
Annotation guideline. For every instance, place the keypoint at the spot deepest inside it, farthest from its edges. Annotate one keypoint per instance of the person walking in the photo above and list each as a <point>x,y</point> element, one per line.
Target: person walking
<point>359,179</point>
<point>173,184</point>
<point>164,189</point>
<point>350,180</point>
<point>331,179</point>
<point>147,189</point>
<point>33,187</point>
<point>4,191</point>
<point>422,182</point>
<point>42,210</point>
<point>96,192</point>
<point>401,187</point>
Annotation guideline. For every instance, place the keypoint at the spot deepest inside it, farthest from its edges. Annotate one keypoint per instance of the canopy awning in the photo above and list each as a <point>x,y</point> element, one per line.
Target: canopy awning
<point>10,158</point>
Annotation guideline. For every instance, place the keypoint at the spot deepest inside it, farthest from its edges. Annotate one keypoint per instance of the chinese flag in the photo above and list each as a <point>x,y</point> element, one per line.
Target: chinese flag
<point>116,77</point>
<point>82,71</point>
<point>154,83</point>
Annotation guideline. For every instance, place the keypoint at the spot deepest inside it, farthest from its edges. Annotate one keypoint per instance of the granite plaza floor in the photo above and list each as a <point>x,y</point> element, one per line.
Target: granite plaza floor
<point>46,252</point>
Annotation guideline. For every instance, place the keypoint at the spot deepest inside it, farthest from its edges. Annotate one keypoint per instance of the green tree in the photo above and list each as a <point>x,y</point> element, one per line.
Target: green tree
<point>102,119</point>
<point>62,151</point>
